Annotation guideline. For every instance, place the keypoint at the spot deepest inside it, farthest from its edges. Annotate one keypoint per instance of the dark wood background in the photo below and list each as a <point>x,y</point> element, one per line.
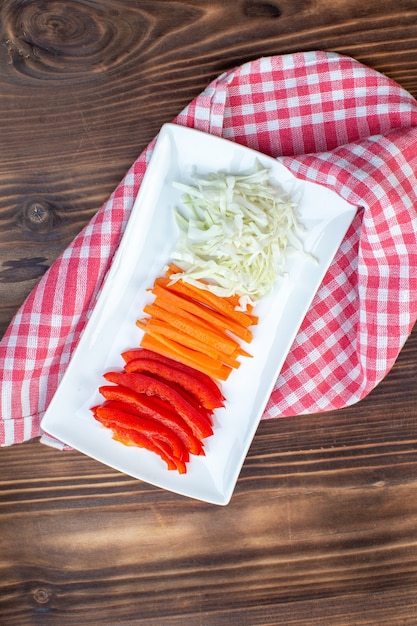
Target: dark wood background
<point>322,529</point>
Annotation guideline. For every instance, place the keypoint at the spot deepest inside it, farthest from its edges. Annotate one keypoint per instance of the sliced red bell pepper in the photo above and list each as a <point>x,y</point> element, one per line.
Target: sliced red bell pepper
<point>141,383</point>
<point>181,464</point>
<point>209,383</point>
<point>111,415</point>
<point>129,437</point>
<point>207,413</point>
<point>147,406</point>
<point>188,382</point>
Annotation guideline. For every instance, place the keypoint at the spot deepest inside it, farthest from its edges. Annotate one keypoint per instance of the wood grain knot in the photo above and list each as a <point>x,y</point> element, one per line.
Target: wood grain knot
<point>37,215</point>
<point>42,595</point>
<point>261,9</point>
<point>47,38</point>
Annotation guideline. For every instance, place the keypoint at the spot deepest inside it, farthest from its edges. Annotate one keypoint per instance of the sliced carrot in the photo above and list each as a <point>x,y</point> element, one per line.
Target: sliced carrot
<point>159,328</point>
<point>218,323</point>
<point>172,268</point>
<point>173,350</point>
<point>176,347</point>
<point>193,328</point>
<point>171,301</point>
<point>191,322</point>
<point>234,299</point>
<point>216,302</point>
<point>166,306</point>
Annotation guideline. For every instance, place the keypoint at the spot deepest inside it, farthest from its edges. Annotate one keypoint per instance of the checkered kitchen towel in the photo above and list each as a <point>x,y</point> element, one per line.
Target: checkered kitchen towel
<point>330,120</point>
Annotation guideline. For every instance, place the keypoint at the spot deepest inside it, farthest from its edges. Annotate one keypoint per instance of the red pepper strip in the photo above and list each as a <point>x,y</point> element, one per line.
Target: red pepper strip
<point>132,437</point>
<point>159,447</point>
<point>186,381</point>
<point>180,464</point>
<point>137,353</point>
<point>109,415</point>
<point>141,383</point>
<point>146,406</point>
<point>207,413</point>
<point>123,406</point>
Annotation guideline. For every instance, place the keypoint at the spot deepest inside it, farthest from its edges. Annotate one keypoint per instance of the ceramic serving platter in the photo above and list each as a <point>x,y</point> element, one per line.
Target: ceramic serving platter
<point>148,242</point>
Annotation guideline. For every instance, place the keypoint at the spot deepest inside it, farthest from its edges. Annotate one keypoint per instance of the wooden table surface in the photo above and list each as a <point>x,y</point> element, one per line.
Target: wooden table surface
<point>322,528</point>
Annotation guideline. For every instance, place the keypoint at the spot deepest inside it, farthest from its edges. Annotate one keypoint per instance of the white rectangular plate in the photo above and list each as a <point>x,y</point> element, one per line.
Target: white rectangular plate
<point>147,245</point>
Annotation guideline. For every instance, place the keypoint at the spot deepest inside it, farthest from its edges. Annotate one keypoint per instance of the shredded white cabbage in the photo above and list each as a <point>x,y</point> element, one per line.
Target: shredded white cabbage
<point>234,233</point>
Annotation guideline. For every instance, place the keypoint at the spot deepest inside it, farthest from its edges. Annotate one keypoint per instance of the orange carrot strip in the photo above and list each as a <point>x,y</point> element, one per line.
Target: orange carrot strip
<point>171,349</point>
<point>234,299</point>
<point>203,295</point>
<point>205,359</point>
<point>172,268</point>
<point>206,297</point>
<point>240,352</point>
<point>170,300</point>
<point>220,341</point>
<point>166,305</point>
<point>158,328</point>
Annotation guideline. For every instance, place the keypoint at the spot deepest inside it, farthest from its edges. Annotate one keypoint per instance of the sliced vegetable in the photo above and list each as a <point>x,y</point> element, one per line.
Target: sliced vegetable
<point>234,299</point>
<point>167,300</point>
<point>207,381</point>
<point>196,329</point>
<point>141,383</point>
<point>174,350</point>
<point>158,329</point>
<point>196,292</point>
<point>229,254</point>
<point>154,408</point>
<point>188,382</point>
<point>235,232</point>
<point>116,418</point>
<point>131,437</point>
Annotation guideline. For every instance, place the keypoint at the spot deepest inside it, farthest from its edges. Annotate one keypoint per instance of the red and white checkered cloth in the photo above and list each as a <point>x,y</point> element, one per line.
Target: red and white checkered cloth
<point>330,120</point>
